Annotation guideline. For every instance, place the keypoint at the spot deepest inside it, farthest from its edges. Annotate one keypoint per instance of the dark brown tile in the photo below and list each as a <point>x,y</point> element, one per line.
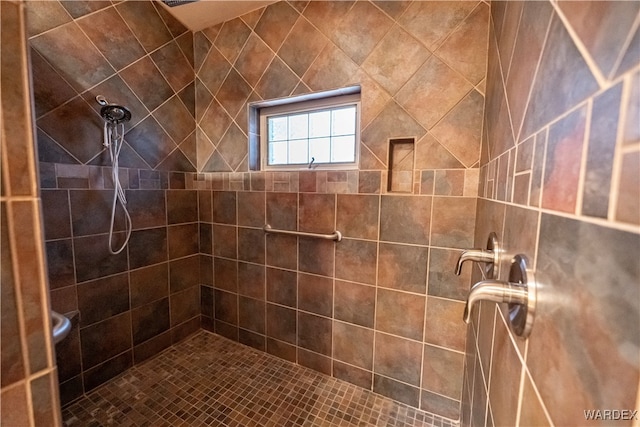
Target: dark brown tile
<point>231,38</point>
<point>251,209</point>
<point>251,314</point>
<point>275,23</point>
<point>60,263</point>
<point>93,260</point>
<point>316,256</point>
<point>438,364</point>
<point>233,93</point>
<point>147,247</point>
<point>146,24</point>
<point>254,59</point>
<point>147,208</point>
<point>353,375</point>
<point>173,65</point>
<point>357,216</point>
<point>73,55</point>
<point>251,245</point>
<point>91,212</point>
<point>150,142</point>
<point>150,320</point>
<point>251,280</point>
<point>353,345</point>
<point>224,207</point>
<point>282,287</point>
<point>81,8</point>
<point>183,240</point>
<point>396,390</point>
<point>317,213</point>
<point>108,31</point>
<point>107,370</point>
<point>302,46</point>
<point>403,267</point>
<point>405,219</point>
<point>356,261</point>
<point>562,164</point>
<point>315,294</point>
<point>177,120</point>
<point>443,325</point>
<point>438,404</point>
<point>225,241</point>
<point>68,358</point>
<point>397,358</point>
<point>185,305</point>
<point>184,273</point>
<point>282,251</point>
<point>277,81</point>
<point>281,324</point>
<point>225,274</point>
<point>92,296</point>
<point>314,333</point>
<point>442,281</point>
<point>555,91</point>
<point>213,70</point>
<point>147,82</point>
<point>151,347</point>
<point>453,222</point>
<point>104,340</point>
<point>355,303</point>
<point>182,206</point>
<point>314,361</point>
<point>50,90</point>
<point>281,350</point>
<point>400,313</point>
<point>44,15</point>
<point>148,284</point>
<point>282,210</point>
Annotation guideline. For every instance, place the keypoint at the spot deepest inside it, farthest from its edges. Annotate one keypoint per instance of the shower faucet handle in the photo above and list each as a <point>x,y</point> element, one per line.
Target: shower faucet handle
<point>490,256</point>
<point>476,255</point>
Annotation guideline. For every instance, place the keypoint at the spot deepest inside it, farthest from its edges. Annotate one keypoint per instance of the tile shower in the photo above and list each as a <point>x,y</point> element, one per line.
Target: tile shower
<point>382,308</point>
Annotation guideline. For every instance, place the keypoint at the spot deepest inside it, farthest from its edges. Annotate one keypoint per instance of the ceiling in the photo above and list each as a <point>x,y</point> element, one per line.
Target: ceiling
<point>201,14</point>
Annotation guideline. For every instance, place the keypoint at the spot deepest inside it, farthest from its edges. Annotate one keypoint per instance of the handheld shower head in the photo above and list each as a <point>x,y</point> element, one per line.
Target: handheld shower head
<point>113,113</point>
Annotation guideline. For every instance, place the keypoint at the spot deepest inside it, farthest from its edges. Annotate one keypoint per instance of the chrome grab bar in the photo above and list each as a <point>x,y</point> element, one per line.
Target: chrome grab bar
<point>336,235</point>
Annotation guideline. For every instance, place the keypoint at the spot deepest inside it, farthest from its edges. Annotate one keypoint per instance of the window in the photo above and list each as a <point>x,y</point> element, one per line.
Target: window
<point>309,131</point>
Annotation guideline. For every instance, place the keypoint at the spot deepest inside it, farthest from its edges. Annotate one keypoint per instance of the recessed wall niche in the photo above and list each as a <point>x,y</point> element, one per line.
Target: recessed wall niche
<point>401,162</point>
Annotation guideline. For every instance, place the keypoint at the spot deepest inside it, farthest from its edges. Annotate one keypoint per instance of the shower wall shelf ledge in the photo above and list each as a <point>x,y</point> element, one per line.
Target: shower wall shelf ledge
<point>336,235</point>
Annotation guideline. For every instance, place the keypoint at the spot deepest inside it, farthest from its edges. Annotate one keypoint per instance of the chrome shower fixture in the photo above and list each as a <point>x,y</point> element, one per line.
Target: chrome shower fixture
<point>113,113</point>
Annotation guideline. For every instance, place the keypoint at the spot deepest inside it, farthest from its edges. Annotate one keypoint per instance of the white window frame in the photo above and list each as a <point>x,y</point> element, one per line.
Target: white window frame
<point>303,104</point>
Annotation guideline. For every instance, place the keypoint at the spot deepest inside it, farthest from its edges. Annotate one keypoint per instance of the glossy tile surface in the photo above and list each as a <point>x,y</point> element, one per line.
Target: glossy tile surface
<point>209,380</point>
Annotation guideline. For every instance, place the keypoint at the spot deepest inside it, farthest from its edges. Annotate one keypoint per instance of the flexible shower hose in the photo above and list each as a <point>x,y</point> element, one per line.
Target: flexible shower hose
<point>113,140</point>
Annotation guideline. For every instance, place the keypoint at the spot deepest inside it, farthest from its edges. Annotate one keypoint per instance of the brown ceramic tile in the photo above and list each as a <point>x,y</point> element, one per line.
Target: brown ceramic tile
<point>251,280</point>
<point>442,281</point>
<point>150,320</point>
<point>316,256</point>
<point>438,364</point>
<point>397,358</point>
<point>145,23</point>
<point>274,24</point>
<point>148,284</point>
<point>50,90</point>
<point>631,129</point>
<point>331,69</point>
<point>182,240</point>
<point>106,339</point>
<point>301,47</point>
<point>233,93</point>
<point>628,208</point>
<point>251,209</point>
<point>107,370</point>
<point>405,219</point>
<point>70,52</point>
<point>225,241</point>
<point>184,273</point>
<point>464,49</point>
<point>360,30</point>
<point>182,206</point>
<point>176,119</point>
<point>231,38</point>
<point>282,287</point>
<point>443,326</point>
<point>254,59</point>
<point>251,314</point>
<point>400,313</point>
<point>281,323</point>
<point>81,8</point>
<point>353,345</point>
<point>453,223</point>
<point>282,210</point>
<point>314,361</point>
<point>213,70</point>
<point>402,267</point>
<point>226,306</point>
<point>93,294</point>
<point>397,47</point>
<point>431,22</point>
<point>251,245</point>
<point>316,213</point>
<point>315,294</point>
<point>108,31</point>
<point>147,247</point>
<point>562,165</point>
<point>555,91</point>
<point>184,305</point>
<point>277,81</point>
<point>232,152</point>
<point>225,274</point>
<point>355,303</point>
<point>356,261</point>
<point>92,258</point>
<point>15,406</point>
<point>44,15</point>
<point>150,141</point>
<point>282,251</point>
<point>314,333</point>
<point>357,216</point>
<point>532,412</point>
<point>396,390</point>
<point>439,404</point>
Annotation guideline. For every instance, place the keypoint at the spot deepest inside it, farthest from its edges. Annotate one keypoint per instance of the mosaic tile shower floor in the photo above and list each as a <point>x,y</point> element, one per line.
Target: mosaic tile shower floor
<point>208,380</point>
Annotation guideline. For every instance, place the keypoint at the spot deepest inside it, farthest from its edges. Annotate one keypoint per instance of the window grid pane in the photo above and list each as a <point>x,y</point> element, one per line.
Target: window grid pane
<point>324,136</point>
